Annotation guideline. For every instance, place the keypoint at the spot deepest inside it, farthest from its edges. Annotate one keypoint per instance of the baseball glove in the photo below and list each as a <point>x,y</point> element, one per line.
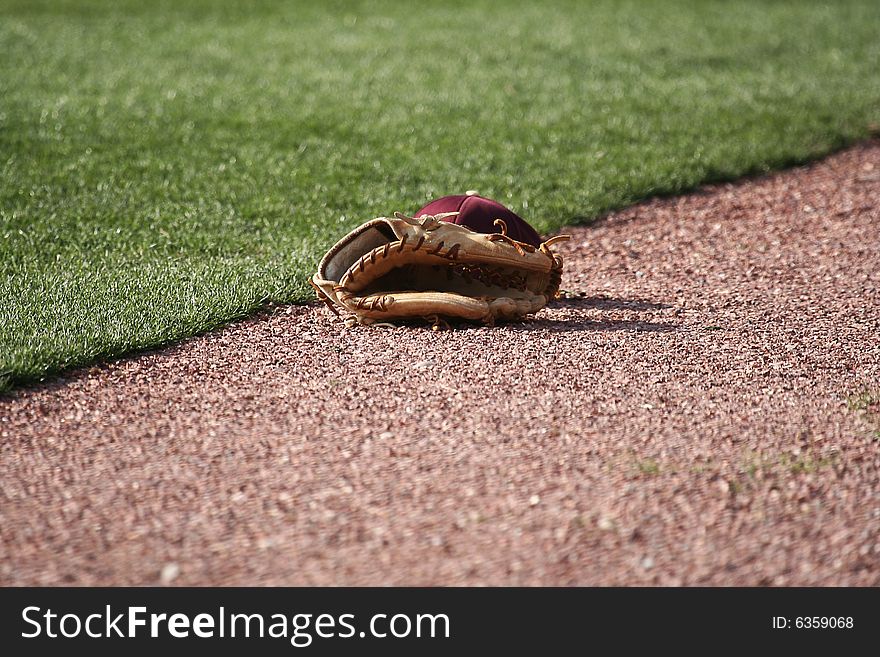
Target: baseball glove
<point>431,268</point>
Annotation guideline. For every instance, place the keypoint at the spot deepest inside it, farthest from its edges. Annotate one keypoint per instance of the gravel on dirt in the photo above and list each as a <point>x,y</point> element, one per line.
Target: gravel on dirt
<point>703,407</point>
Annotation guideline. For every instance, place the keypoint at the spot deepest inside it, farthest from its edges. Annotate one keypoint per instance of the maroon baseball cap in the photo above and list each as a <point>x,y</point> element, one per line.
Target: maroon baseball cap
<point>479,214</point>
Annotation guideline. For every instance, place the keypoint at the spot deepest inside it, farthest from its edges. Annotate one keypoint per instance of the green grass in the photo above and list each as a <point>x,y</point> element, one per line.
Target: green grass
<point>867,402</point>
<point>648,466</point>
<point>168,166</point>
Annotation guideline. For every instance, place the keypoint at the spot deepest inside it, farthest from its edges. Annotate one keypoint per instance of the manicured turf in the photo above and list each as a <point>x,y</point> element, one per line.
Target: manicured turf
<point>168,166</point>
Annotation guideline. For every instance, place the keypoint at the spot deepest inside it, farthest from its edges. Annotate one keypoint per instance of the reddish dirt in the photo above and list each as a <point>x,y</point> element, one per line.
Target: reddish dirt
<point>703,409</point>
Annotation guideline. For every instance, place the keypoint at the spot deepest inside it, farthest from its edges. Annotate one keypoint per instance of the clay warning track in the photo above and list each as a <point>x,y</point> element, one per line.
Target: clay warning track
<point>702,408</point>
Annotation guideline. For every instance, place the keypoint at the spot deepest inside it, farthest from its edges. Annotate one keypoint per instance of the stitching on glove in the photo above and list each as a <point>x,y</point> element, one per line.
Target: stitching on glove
<point>521,247</point>
<point>378,302</point>
<point>545,246</point>
<point>323,297</point>
<point>382,252</point>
